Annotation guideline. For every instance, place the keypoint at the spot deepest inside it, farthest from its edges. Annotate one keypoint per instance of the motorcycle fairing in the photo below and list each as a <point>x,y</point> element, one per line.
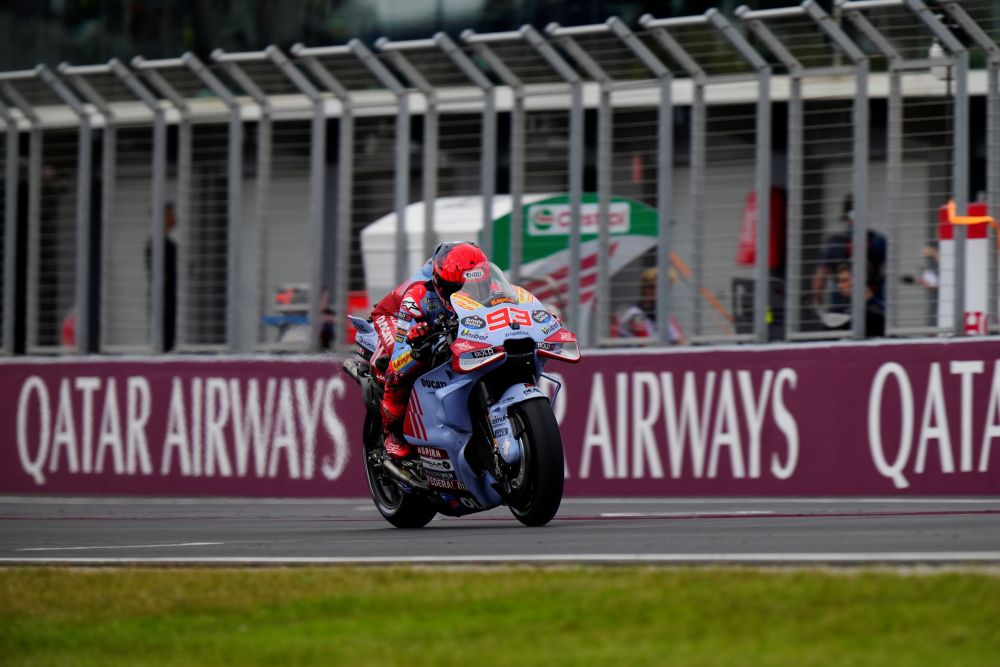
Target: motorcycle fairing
<point>507,445</point>
<point>366,336</point>
<point>441,398</point>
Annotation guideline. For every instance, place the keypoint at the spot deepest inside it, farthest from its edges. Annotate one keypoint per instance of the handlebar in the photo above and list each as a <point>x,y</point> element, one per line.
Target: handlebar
<point>440,338</point>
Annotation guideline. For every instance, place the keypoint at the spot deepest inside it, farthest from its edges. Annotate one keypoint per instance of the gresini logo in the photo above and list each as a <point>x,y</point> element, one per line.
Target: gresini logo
<point>556,219</point>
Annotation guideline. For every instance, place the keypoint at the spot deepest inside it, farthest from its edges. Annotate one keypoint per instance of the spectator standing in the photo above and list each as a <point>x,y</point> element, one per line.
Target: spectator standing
<point>169,276</point>
<point>838,316</point>
<point>836,252</point>
<point>638,320</point>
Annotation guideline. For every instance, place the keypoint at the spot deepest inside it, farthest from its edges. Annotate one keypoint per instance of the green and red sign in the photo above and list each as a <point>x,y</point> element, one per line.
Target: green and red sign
<point>547,224</point>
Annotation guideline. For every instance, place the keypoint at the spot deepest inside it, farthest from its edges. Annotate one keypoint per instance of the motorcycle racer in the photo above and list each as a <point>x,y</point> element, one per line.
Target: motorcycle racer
<point>406,317</point>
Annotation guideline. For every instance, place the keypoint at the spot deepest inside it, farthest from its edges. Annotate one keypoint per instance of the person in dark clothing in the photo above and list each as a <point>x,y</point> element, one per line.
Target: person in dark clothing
<point>169,276</point>
<point>836,252</point>
<point>874,310</point>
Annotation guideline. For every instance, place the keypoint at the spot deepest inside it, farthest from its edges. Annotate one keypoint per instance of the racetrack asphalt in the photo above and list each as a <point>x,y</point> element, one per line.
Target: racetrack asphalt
<point>240,531</point>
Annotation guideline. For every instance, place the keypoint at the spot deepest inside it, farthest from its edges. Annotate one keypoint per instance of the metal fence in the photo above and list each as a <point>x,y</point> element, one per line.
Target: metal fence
<point>772,175</point>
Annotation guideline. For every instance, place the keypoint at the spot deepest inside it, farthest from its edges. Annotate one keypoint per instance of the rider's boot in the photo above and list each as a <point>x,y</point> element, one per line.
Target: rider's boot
<point>393,411</point>
<point>400,457</point>
<point>395,445</point>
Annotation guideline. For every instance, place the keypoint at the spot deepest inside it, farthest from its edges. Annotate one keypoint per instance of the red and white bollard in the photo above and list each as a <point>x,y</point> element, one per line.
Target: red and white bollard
<point>976,268</point>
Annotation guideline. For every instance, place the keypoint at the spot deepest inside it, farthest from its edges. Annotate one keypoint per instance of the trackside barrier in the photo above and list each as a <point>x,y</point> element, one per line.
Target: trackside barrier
<point>765,175</point>
<point>906,418</point>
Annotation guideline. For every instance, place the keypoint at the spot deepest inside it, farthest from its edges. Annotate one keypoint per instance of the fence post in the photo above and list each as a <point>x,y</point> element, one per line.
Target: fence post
<point>235,337</point>
<point>345,173</point>
<point>860,157</point>
<point>754,21</point>
<point>34,206</point>
<point>859,271</point>
<point>516,155</point>
<point>149,71</point>
<point>860,169</point>
<point>109,147</point>
<point>10,239</point>
<point>576,165</point>
<point>317,185</point>
<point>960,178</point>
<point>658,30</point>
<point>664,171</point>
<point>159,172</point>
<point>894,144</point>
<point>86,342</point>
<point>263,183</point>
<point>488,163</point>
<point>604,184</point>
<point>429,168</point>
<point>762,286</point>
<point>402,179</point>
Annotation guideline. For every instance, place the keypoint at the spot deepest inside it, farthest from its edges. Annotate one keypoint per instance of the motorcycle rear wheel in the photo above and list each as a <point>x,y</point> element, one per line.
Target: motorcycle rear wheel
<point>539,495</point>
<point>402,510</point>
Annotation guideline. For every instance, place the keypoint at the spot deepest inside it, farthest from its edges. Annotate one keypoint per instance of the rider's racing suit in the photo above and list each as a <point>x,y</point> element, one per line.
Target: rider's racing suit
<point>402,318</point>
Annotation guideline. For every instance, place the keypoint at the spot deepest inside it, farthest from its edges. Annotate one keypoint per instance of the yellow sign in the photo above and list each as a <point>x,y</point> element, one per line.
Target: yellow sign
<point>966,219</point>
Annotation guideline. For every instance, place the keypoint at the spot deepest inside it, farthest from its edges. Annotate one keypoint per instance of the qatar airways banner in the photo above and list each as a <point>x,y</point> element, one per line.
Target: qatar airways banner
<point>841,419</point>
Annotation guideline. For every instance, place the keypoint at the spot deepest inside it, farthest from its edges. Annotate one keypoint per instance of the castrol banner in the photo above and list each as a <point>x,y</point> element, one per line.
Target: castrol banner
<point>907,418</point>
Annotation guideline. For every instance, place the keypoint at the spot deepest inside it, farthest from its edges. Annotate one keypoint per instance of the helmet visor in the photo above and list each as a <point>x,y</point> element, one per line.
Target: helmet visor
<point>486,285</point>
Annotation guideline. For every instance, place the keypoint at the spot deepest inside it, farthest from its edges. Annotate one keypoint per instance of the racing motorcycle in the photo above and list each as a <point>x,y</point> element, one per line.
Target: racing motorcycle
<point>483,430</point>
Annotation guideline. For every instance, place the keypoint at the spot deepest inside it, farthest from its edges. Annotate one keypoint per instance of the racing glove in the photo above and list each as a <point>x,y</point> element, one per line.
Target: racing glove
<point>417,333</point>
<point>419,339</point>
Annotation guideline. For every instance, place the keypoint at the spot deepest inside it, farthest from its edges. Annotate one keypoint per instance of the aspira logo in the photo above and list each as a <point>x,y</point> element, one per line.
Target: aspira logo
<point>555,219</point>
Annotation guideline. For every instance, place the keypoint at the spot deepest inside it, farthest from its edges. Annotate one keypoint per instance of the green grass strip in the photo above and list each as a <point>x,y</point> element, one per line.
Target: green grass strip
<point>501,616</point>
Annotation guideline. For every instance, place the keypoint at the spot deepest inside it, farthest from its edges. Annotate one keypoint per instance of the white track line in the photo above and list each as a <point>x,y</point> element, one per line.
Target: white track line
<point>992,557</point>
<point>125,546</point>
<point>653,515</point>
<point>784,500</point>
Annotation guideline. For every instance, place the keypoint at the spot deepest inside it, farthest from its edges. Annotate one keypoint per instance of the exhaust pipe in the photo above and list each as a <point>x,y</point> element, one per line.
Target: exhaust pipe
<point>404,476</point>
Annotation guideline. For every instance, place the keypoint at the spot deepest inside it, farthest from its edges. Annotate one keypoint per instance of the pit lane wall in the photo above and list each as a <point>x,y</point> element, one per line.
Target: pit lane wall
<point>909,418</point>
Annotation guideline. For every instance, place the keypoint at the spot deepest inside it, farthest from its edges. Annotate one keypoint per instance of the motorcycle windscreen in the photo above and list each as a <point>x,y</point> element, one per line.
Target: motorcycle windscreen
<point>485,286</point>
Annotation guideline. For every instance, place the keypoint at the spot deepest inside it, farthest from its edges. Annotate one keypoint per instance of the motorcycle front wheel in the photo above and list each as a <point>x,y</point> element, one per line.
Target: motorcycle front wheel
<point>539,481</point>
<point>402,510</point>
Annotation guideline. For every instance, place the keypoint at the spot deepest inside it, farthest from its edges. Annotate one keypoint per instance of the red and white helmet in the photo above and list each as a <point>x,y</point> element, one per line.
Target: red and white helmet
<point>454,264</point>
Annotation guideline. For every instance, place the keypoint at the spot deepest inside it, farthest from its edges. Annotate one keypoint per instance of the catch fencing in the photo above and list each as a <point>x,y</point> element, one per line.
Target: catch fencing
<point>773,175</point>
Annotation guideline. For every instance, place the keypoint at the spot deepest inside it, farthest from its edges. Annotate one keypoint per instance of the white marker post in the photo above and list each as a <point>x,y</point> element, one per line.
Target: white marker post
<point>976,224</point>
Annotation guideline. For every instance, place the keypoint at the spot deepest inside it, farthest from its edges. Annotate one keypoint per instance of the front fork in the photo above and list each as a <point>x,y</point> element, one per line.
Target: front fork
<point>503,433</point>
